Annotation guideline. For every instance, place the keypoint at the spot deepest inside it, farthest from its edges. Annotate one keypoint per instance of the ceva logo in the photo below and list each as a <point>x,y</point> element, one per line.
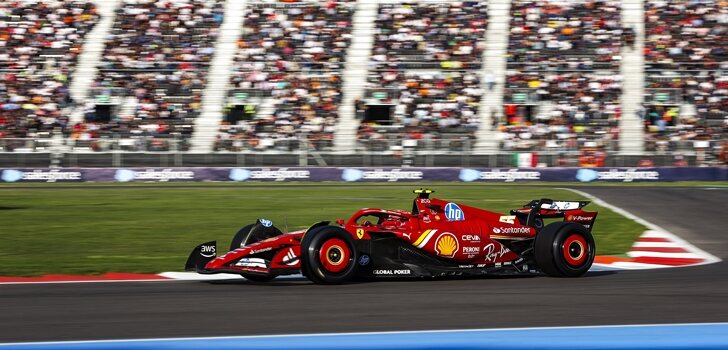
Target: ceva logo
<point>469,175</point>
<point>12,175</point>
<point>587,175</point>
<point>125,175</point>
<point>238,174</point>
<point>352,175</point>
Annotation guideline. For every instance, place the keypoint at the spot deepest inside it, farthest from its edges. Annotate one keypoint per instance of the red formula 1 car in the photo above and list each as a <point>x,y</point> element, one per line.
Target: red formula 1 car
<point>437,238</point>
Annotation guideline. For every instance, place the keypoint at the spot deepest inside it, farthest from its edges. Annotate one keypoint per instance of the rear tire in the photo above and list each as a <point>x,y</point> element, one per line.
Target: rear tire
<point>328,255</point>
<point>245,236</point>
<point>564,249</point>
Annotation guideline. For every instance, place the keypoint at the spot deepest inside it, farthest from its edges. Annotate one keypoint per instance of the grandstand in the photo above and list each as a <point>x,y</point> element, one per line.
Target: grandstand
<point>367,76</point>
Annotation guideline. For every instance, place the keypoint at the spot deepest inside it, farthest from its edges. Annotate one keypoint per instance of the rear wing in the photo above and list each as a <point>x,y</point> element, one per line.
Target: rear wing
<point>550,204</point>
<point>571,211</point>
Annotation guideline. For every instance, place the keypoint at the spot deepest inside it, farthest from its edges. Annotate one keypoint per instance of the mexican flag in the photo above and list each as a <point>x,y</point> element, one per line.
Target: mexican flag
<point>524,160</point>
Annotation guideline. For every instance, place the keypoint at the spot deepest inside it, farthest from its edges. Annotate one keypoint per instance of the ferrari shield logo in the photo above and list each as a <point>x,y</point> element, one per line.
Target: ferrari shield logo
<point>360,233</point>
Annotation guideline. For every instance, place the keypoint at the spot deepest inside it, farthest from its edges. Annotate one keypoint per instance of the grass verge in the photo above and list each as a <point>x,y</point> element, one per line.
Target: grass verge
<point>92,230</point>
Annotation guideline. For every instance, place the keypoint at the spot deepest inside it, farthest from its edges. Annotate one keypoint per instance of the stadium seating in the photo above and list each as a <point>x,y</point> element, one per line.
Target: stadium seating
<point>686,57</point>
<point>39,45</point>
<point>437,105</point>
<point>289,65</point>
<point>156,58</point>
<point>427,86</point>
<point>416,35</point>
<point>426,58</point>
<point>563,85</point>
<point>583,107</point>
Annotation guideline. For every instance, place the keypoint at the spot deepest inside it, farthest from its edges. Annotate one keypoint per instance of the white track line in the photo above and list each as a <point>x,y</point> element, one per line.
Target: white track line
<point>194,276</point>
<point>639,244</point>
<point>87,281</point>
<point>629,265</point>
<point>654,230</point>
<point>637,253</point>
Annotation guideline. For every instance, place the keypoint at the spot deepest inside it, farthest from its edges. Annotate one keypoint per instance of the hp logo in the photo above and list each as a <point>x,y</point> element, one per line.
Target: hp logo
<point>453,212</point>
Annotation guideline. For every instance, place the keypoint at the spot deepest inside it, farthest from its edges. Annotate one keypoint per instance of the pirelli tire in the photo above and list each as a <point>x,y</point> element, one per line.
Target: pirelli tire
<point>250,234</point>
<point>564,249</point>
<point>328,255</point>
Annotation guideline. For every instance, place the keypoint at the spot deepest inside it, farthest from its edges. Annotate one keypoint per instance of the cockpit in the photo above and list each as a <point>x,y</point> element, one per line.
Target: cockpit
<point>384,220</point>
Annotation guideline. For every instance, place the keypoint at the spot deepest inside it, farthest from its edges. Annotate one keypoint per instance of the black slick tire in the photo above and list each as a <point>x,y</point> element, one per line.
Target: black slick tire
<point>564,249</point>
<point>328,255</point>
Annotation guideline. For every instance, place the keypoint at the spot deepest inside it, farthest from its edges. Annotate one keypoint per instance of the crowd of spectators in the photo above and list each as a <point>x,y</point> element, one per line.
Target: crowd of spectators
<point>304,104</point>
<point>553,33</point>
<point>574,106</point>
<point>686,56</point>
<point>450,34</point>
<point>158,53</point>
<point>293,54</point>
<point>563,68</point>
<point>683,31</point>
<point>426,58</point>
<point>40,42</point>
<point>428,103</point>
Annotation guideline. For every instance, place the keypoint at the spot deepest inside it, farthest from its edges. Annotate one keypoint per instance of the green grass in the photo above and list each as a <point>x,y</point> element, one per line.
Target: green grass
<point>143,229</point>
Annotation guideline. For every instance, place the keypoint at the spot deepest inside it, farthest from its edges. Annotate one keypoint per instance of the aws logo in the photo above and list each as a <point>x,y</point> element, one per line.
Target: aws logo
<point>207,251</point>
<point>446,245</point>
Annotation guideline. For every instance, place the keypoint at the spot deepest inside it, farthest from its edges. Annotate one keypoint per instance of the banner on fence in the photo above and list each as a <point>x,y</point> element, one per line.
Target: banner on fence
<point>317,174</point>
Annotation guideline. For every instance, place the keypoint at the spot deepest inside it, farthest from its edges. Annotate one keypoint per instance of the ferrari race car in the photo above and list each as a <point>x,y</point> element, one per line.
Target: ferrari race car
<point>437,238</point>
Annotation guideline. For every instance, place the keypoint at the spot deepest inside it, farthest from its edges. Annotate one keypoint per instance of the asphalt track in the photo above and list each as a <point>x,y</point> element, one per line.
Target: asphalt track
<point>188,309</point>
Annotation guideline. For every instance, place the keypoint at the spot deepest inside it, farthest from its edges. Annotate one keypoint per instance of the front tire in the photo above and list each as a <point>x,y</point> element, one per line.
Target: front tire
<point>564,249</point>
<point>328,255</point>
<point>241,237</point>
<point>253,233</point>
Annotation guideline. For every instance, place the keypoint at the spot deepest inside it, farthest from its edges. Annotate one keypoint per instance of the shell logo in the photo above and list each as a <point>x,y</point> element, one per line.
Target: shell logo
<point>446,245</point>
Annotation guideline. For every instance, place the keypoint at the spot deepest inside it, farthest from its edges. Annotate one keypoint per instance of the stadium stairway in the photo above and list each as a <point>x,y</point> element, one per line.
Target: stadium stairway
<point>494,63</point>
<point>214,97</point>
<point>91,52</point>
<point>355,73</point>
<point>128,106</point>
<point>631,136</point>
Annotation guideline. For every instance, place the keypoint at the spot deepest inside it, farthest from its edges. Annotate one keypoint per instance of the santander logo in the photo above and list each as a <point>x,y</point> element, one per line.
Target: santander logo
<point>512,230</point>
